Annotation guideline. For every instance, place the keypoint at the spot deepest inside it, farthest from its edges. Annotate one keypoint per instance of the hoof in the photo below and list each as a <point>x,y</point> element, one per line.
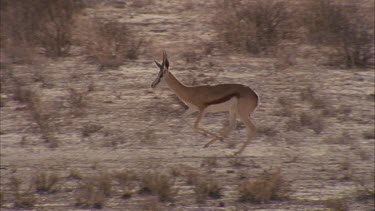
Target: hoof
<point>205,146</point>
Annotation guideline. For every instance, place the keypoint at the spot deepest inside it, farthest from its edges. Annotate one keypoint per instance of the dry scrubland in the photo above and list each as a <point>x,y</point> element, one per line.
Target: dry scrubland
<point>82,129</point>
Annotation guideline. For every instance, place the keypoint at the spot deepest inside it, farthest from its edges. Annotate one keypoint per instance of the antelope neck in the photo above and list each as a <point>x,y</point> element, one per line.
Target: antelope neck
<point>179,88</point>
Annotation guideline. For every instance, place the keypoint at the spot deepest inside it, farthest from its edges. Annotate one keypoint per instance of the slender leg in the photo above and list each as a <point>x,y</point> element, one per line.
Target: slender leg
<point>232,124</point>
<point>187,113</point>
<point>226,130</point>
<point>251,131</point>
<point>200,130</point>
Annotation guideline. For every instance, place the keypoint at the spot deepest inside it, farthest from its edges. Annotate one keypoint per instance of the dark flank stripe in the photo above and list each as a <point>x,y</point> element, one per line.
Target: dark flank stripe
<point>223,99</point>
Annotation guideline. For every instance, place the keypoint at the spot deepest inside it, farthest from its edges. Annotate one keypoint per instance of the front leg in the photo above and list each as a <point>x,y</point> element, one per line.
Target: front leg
<point>225,130</point>
<point>201,130</point>
<point>187,113</point>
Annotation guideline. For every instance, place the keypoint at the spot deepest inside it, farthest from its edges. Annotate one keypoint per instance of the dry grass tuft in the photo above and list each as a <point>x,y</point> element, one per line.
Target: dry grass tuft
<point>268,131</point>
<point>176,171</point>
<point>270,186</point>
<point>310,95</point>
<point>209,162</point>
<point>293,124</point>
<point>207,187</point>
<point>152,205</point>
<point>286,108</point>
<point>2,196</point>
<point>344,138</point>
<point>159,184</point>
<point>314,122</point>
<point>88,129</point>
<point>21,198</point>
<point>75,174</point>
<point>32,97</point>
<point>126,181</point>
<point>237,162</point>
<point>369,134</point>
<point>24,200</point>
<point>192,177</point>
<point>46,182</point>
<point>347,170</point>
<point>363,191</point>
<point>93,191</point>
<point>337,204</point>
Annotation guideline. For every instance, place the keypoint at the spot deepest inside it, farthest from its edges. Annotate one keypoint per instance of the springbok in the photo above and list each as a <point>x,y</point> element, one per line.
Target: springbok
<point>238,99</point>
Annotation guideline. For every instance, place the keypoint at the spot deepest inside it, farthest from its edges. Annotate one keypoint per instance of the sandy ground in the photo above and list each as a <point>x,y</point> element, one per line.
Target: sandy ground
<point>140,129</point>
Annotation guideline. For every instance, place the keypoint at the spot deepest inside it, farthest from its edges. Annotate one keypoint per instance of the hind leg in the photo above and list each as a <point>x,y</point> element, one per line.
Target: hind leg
<point>225,130</point>
<point>251,131</point>
<point>201,130</point>
<point>244,108</point>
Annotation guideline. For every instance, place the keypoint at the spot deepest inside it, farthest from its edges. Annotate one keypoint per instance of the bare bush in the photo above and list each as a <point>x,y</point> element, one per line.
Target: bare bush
<point>207,187</point>
<point>312,121</point>
<point>43,23</point>
<point>158,184</point>
<point>21,198</point>
<point>110,44</point>
<point>270,186</point>
<point>337,204</point>
<point>32,97</point>
<point>93,191</point>
<point>46,182</point>
<point>369,134</point>
<point>254,26</point>
<point>126,180</point>
<point>341,25</point>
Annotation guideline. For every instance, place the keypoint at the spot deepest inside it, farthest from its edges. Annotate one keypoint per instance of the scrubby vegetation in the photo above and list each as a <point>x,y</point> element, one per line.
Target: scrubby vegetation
<point>81,129</point>
<point>261,26</point>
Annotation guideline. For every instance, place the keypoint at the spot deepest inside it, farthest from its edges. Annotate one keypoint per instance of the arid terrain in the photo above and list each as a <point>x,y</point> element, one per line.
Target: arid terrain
<point>78,137</point>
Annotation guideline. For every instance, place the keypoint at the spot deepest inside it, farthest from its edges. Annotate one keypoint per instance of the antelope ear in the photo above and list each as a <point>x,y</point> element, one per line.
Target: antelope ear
<point>159,65</point>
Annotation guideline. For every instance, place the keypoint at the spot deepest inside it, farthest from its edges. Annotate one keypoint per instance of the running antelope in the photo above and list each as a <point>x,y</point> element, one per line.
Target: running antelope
<point>238,99</point>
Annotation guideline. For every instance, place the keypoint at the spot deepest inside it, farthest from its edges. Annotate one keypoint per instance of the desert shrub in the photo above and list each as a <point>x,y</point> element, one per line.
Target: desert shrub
<point>268,131</point>
<point>125,180</point>
<point>21,198</point>
<point>341,25</point>
<point>207,187</point>
<point>337,204</point>
<point>312,121</point>
<point>270,186</point>
<point>293,124</point>
<point>192,177</point>
<point>43,23</point>
<point>75,174</point>
<point>369,134</point>
<point>46,182</point>
<point>159,184</point>
<point>89,129</point>
<point>108,43</point>
<point>93,191</point>
<point>254,26</point>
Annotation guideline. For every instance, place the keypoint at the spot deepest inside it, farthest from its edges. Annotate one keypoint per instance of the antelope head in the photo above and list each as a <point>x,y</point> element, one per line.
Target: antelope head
<point>163,70</point>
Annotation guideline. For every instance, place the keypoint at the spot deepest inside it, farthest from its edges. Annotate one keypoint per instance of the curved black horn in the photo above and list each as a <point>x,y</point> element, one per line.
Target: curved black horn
<point>157,63</point>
